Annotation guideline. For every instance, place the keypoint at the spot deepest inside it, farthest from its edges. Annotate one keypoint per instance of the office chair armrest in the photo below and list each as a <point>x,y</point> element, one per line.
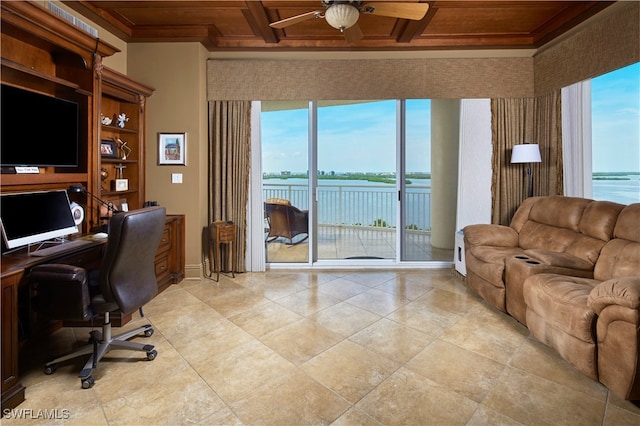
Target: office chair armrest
<point>61,292</point>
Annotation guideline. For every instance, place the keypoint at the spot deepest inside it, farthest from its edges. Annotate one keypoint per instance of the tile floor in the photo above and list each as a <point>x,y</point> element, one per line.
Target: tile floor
<point>328,347</point>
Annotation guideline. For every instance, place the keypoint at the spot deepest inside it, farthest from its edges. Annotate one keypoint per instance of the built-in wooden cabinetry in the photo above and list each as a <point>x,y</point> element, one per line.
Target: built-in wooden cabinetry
<point>43,53</point>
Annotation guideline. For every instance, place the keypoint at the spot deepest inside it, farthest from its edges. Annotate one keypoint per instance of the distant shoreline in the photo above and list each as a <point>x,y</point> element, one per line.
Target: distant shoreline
<point>390,177</point>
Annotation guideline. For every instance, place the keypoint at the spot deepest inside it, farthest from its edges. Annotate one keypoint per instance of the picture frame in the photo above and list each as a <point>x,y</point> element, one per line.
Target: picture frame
<point>108,149</point>
<point>172,149</point>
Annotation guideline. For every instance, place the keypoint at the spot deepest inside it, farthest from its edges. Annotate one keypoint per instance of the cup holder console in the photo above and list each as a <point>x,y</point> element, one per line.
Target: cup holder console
<point>533,262</point>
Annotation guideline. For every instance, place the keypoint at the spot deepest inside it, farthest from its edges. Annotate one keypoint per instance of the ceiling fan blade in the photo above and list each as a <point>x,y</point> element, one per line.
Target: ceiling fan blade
<point>415,11</point>
<point>353,34</point>
<point>295,19</point>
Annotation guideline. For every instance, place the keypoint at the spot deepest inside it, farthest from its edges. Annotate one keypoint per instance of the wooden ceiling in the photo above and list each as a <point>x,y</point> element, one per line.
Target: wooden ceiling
<point>244,25</point>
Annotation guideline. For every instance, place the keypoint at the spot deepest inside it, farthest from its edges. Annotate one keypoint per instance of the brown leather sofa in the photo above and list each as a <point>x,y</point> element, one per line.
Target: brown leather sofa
<point>595,323</point>
<point>569,269</point>
<point>555,234</point>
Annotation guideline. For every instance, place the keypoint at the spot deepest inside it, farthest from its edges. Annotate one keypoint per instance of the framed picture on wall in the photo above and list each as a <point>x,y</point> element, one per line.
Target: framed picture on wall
<point>172,149</point>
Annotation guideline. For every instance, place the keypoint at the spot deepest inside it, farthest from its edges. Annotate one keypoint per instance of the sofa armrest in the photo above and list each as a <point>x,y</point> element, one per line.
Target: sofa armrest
<point>617,304</point>
<point>489,235</point>
<point>624,291</point>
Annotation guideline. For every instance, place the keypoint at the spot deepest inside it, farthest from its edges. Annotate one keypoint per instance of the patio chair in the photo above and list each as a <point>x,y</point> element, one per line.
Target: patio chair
<point>285,220</point>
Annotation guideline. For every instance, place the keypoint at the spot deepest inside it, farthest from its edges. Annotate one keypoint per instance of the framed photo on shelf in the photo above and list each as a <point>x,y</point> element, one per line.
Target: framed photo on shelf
<point>108,149</point>
<point>172,149</point>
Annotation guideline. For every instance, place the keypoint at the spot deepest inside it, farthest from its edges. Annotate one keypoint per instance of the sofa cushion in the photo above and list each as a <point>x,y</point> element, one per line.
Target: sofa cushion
<point>559,211</point>
<point>599,219</point>
<point>619,258</point>
<point>628,224</point>
<point>562,302</point>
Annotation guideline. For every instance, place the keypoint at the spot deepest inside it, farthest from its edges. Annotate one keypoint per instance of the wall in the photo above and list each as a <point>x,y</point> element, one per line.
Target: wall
<point>178,105</point>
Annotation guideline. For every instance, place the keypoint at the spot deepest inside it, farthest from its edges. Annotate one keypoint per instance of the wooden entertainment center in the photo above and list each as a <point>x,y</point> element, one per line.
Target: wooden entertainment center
<point>46,54</point>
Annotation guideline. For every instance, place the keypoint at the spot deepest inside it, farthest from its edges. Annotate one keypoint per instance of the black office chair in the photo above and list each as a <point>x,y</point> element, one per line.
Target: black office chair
<point>127,281</point>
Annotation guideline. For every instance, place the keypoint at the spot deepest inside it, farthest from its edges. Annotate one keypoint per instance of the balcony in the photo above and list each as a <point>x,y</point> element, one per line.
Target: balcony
<point>358,221</point>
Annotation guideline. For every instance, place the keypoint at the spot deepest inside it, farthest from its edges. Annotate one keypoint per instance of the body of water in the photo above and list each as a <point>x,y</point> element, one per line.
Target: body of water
<point>360,202</point>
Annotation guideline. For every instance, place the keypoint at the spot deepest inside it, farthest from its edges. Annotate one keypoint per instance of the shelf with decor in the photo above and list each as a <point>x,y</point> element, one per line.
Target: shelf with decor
<point>122,141</point>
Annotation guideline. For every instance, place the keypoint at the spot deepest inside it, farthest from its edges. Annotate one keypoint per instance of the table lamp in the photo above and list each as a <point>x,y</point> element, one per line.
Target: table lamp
<point>527,153</point>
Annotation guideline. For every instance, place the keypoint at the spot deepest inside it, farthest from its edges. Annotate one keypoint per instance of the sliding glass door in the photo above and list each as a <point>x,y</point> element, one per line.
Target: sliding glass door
<point>356,212</point>
<point>360,171</point>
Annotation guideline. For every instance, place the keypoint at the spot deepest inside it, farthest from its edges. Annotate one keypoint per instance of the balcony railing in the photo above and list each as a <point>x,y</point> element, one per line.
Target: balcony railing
<point>372,205</point>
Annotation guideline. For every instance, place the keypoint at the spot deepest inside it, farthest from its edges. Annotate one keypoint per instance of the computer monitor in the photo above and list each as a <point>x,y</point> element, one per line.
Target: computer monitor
<point>32,217</point>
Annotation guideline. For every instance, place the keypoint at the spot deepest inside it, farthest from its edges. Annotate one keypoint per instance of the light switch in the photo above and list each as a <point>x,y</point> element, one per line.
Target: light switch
<point>176,177</point>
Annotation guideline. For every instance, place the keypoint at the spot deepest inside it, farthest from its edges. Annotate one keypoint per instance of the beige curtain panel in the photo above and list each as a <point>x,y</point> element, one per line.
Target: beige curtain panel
<point>229,164</point>
<point>517,121</point>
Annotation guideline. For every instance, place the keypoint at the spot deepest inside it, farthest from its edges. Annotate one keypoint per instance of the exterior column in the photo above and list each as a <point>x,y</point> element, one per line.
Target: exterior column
<point>445,135</point>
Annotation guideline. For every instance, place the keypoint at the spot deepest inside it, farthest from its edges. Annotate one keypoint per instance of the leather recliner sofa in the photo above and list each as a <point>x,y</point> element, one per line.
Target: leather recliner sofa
<point>569,269</point>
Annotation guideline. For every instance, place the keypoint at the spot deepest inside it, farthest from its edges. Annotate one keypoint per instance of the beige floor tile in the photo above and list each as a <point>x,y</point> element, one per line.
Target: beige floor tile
<point>350,370</point>
<point>395,341</point>
<point>264,319</point>
<point>484,416</point>
<point>468,373</point>
<point>235,373</point>
<point>301,341</point>
<point>342,288</point>
<point>430,320</point>
<point>530,399</point>
<point>536,358</point>
<point>405,287</point>
<point>236,302</point>
<point>293,399</point>
<point>378,301</point>
<point>308,302</point>
<point>344,318</point>
<point>355,417</point>
<point>489,333</point>
<point>407,398</point>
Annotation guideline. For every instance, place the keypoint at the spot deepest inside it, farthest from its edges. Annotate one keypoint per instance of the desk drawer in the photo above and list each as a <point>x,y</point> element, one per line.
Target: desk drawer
<point>162,267</point>
<point>165,242</point>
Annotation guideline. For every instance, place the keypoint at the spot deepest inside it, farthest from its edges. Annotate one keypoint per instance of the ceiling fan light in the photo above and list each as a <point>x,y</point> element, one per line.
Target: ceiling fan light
<point>342,16</point>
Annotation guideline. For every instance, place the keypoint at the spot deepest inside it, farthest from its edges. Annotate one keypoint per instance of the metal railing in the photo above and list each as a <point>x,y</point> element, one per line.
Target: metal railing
<point>372,205</point>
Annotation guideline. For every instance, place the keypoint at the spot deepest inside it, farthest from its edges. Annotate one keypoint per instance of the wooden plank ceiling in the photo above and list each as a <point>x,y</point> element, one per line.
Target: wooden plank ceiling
<point>244,25</point>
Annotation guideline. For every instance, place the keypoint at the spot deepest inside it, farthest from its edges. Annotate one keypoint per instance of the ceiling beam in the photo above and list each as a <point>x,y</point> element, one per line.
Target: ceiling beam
<point>256,16</point>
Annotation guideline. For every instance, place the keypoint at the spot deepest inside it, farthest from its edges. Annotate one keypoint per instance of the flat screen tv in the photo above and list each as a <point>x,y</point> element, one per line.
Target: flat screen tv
<point>37,130</point>
<point>32,217</point>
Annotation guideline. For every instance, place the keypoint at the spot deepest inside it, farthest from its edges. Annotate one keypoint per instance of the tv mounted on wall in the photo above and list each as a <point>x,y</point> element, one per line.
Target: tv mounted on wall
<point>37,130</point>
<point>32,217</point>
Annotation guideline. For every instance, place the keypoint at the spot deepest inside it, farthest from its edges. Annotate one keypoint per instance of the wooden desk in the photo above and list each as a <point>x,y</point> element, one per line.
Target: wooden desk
<point>169,264</point>
<point>15,267</point>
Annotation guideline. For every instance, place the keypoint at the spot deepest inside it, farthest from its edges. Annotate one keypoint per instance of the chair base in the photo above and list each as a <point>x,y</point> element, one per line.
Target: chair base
<point>100,344</point>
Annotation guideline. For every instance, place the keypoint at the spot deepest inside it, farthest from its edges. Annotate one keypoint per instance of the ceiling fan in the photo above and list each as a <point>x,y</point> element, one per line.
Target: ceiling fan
<point>343,15</point>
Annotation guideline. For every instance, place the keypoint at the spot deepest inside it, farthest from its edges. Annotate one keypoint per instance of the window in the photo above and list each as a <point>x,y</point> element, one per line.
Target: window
<point>615,110</point>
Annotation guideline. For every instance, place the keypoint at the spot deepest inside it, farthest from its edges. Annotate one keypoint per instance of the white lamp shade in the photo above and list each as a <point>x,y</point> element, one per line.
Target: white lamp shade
<point>341,16</point>
<point>526,153</point>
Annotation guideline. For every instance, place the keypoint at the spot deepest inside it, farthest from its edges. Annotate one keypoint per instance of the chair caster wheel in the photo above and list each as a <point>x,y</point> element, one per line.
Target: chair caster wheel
<point>148,332</point>
<point>50,369</point>
<point>151,355</point>
<point>88,382</point>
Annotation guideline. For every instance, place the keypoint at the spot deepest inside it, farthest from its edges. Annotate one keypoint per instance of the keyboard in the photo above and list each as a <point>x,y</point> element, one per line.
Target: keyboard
<point>60,248</point>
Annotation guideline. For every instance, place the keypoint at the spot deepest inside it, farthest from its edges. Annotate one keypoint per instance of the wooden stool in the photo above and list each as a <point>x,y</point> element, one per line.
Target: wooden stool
<point>221,232</point>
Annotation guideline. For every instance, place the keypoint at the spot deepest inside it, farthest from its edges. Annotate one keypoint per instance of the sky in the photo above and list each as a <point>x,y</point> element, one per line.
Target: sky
<point>615,120</point>
<point>361,137</point>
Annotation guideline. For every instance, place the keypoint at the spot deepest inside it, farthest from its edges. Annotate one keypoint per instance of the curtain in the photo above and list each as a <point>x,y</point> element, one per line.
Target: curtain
<point>517,121</point>
<point>229,161</point>
<point>255,261</point>
<point>576,139</point>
